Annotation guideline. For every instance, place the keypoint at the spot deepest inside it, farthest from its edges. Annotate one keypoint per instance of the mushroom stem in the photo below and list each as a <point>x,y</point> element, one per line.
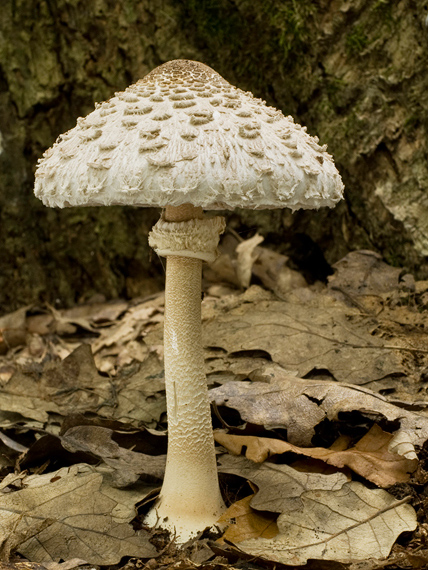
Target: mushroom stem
<point>190,499</point>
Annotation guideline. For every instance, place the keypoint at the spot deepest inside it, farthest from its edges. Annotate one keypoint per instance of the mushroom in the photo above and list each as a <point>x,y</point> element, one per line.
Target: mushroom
<point>184,139</point>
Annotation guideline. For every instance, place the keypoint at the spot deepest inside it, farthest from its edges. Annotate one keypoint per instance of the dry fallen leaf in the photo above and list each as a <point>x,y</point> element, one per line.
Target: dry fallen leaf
<point>354,523</point>
<point>246,256</point>
<point>73,513</point>
<point>127,465</point>
<point>308,333</point>
<point>116,332</point>
<point>13,329</point>
<point>245,523</point>
<point>370,457</point>
<point>279,485</point>
<point>70,386</point>
<point>22,565</point>
<point>75,386</point>
<point>316,332</point>
<point>141,396</point>
<point>240,259</point>
<point>97,314</point>
<point>67,565</point>
<point>88,317</point>
<point>277,399</point>
<point>272,270</point>
<point>321,517</point>
<point>113,349</point>
<point>363,272</point>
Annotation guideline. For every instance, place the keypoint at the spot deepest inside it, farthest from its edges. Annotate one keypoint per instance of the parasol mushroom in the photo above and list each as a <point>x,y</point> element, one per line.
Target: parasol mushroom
<point>184,139</point>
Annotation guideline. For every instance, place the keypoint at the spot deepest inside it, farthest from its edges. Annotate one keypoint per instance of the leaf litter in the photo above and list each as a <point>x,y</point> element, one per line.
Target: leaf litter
<point>335,376</point>
<point>371,457</point>
<point>72,513</point>
<point>322,516</point>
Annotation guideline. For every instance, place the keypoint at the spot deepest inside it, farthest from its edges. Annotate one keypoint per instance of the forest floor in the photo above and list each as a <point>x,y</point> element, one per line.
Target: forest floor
<point>320,412</point>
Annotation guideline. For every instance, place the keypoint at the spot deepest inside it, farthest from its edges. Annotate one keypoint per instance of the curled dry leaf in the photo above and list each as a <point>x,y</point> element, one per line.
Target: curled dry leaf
<point>73,513</point>
<point>240,259</point>
<point>272,270</point>
<point>127,465</point>
<point>69,386</point>
<point>87,317</point>
<point>370,457</point>
<point>246,256</point>
<point>141,396</point>
<point>99,314</point>
<point>13,329</point>
<point>321,517</point>
<point>277,399</point>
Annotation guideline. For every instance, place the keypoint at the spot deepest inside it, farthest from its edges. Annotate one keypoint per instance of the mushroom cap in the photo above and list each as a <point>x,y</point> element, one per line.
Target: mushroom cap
<point>183,134</point>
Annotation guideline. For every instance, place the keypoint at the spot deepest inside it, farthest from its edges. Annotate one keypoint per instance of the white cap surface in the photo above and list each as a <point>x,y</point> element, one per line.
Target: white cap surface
<point>183,134</point>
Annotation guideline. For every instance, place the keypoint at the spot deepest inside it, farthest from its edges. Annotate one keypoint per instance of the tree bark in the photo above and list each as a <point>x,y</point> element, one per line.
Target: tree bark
<point>354,72</point>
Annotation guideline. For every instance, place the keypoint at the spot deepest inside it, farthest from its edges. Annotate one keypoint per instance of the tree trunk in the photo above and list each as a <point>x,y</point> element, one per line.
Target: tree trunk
<point>354,72</point>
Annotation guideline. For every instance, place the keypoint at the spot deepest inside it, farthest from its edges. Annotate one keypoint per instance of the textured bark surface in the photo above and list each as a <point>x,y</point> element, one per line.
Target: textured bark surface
<point>354,72</point>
